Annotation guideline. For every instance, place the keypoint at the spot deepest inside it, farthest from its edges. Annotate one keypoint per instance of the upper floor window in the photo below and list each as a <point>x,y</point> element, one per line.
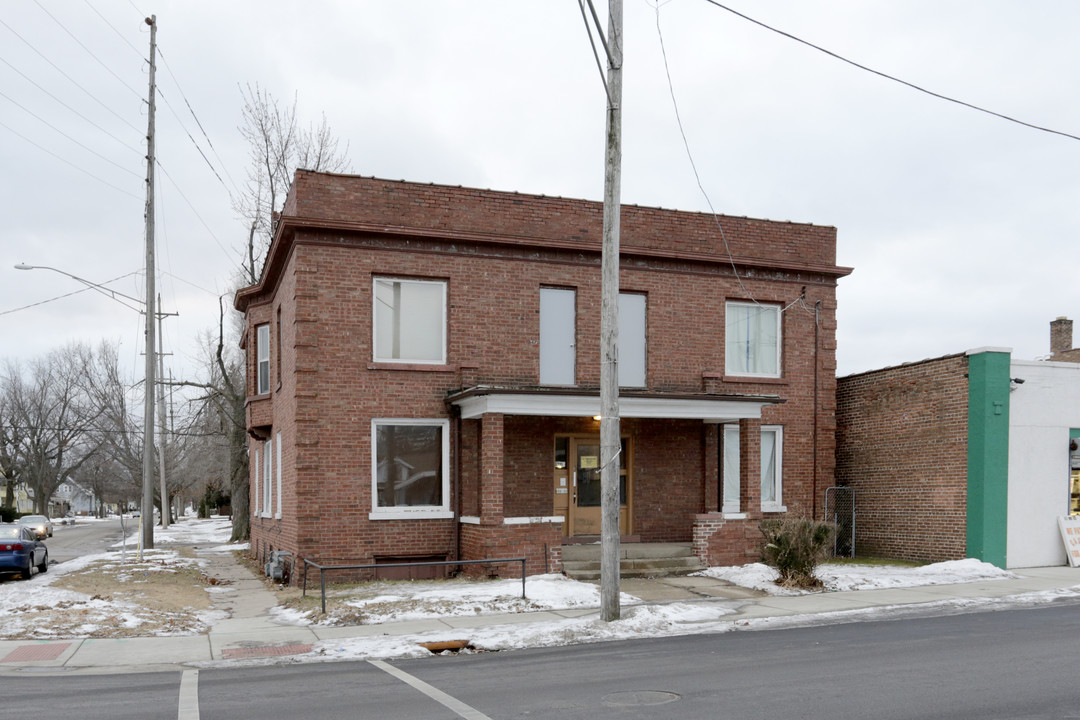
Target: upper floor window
<point>410,320</point>
<point>262,359</point>
<point>752,344</point>
<point>557,336</point>
<point>632,365</point>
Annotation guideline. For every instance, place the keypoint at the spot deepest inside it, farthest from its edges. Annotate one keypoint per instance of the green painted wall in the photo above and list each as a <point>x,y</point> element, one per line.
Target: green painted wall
<point>988,456</point>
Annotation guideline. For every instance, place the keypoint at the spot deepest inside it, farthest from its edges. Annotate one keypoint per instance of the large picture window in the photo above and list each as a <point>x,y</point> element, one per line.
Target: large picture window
<point>752,345</point>
<point>410,321</point>
<point>410,468</point>
<point>262,357</point>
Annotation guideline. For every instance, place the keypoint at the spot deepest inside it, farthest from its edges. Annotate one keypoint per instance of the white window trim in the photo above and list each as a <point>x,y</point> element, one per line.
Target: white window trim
<point>778,505</point>
<point>256,452</point>
<point>418,511</point>
<point>375,331</point>
<point>262,355</point>
<point>277,511</point>
<point>732,510</point>
<point>779,339</point>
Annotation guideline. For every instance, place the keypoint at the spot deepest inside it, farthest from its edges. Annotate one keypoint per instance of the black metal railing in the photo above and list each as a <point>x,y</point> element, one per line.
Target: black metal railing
<point>433,563</point>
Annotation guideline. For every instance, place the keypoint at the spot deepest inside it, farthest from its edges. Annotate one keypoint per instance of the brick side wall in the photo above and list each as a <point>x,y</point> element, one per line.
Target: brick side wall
<point>902,445</point>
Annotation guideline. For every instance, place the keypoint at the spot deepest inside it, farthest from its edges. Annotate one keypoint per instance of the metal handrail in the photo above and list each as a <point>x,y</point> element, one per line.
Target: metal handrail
<point>434,563</point>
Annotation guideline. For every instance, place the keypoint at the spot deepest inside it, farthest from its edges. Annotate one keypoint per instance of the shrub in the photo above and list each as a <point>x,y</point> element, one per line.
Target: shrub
<point>795,547</point>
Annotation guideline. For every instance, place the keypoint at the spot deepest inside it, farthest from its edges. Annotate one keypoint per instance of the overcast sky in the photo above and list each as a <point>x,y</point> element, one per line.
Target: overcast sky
<point>961,227</point>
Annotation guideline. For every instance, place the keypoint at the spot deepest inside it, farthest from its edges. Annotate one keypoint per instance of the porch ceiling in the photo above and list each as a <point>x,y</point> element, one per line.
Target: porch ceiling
<point>478,401</point>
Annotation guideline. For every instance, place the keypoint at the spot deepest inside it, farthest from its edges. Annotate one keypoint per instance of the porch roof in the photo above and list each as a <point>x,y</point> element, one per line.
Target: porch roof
<point>573,402</point>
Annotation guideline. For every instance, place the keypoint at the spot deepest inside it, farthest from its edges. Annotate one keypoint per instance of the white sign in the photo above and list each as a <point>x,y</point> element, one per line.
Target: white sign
<point>1070,535</point>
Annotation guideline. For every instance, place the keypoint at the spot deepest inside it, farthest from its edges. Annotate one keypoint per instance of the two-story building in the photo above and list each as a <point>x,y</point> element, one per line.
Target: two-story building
<point>425,364</point>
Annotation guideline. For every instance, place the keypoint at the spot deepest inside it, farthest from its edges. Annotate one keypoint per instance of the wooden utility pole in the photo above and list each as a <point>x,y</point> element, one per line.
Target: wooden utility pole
<point>610,444</point>
<point>146,520</point>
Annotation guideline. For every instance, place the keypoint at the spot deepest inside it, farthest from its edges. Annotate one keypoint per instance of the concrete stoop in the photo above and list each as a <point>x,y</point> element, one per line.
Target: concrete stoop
<point>636,560</point>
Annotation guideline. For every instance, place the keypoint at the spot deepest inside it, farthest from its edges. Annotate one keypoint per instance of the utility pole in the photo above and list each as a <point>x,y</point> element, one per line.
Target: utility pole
<point>147,512</point>
<point>166,510</point>
<point>610,444</point>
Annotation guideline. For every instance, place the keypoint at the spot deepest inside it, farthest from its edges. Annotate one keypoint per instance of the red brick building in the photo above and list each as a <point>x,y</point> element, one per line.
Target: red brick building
<point>424,374</point>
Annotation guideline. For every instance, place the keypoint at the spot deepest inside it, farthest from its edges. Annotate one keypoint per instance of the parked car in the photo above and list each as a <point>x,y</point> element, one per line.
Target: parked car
<point>39,523</point>
<point>21,551</point>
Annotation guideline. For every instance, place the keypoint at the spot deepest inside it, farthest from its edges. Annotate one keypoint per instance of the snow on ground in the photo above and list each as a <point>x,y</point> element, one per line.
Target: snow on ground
<point>843,576</point>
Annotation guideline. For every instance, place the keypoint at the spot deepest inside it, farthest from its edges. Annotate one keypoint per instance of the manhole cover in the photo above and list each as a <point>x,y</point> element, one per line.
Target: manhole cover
<point>640,697</point>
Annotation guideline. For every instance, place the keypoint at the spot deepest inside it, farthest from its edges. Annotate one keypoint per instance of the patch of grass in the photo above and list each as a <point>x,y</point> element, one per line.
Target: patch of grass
<point>871,561</point>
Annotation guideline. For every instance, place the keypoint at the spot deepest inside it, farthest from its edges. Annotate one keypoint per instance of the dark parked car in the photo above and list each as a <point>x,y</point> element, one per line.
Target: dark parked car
<point>21,551</point>
<point>40,524</point>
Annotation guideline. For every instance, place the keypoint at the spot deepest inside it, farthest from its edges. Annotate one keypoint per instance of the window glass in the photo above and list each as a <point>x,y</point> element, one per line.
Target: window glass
<point>752,345</point>
<point>262,349</point>
<point>268,475</point>
<point>410,321</point>
<point>772,447</point>
<point>631,340</point>
<point>277,468</point>
<point>557,336</point>
<point>410,464</point>
<point>731,469</point>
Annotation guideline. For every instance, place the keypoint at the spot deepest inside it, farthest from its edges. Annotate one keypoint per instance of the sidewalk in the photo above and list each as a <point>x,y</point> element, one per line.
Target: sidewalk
<point>249,633</point>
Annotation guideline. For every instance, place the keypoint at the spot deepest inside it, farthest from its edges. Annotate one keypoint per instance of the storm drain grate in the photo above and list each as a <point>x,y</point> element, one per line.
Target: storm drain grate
<point>32,653</point>
<point>270,651</point>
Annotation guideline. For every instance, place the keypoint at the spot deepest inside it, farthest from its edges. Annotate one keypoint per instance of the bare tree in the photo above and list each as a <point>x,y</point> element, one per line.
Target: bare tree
<point>49,406</point>
<point>278,144</point>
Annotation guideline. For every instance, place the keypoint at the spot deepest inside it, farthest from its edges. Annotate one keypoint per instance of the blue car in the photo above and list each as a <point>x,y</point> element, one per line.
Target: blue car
<point>21,552</point>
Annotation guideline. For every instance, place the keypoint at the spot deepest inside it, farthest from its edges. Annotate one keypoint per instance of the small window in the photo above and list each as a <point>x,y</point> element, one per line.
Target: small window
<point>730,469</point>
<point>557,336</point>
<point>410,321</point>
<point>410,466</point>
<point>752,345</point>
<point>262,356</point>
<point>632,340</point>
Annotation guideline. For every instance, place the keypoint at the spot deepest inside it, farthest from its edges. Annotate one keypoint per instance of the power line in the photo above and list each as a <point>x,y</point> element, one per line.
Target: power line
<point>192,206</point>
<point>39,87</point>
<point>88,50</point>
<point>118,33</point>
<point>913,86</point>
<point>61,297</point>
<point>66,161</point>
<point>70,79</point>
<point>77,142</point>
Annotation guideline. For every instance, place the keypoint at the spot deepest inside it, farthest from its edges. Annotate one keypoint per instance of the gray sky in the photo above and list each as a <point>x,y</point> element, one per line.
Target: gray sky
<point>961,227</point>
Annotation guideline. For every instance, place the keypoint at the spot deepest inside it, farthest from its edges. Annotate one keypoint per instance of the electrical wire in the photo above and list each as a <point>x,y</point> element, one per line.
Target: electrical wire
<point>88,50</point>
<point>67,162</point>
<point>26,77</point>
<point>70,79</point>
<point>74,292</point>
<point>200,217</point>
<point>118,33</point>
<point>913,86</point>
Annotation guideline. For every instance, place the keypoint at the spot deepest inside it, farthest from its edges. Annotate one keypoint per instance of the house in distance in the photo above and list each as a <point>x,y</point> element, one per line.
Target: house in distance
<point>425,368</point>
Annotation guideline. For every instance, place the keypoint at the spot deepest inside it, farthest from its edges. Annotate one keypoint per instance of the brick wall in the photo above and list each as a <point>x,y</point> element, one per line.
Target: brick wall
<point>902,445</point>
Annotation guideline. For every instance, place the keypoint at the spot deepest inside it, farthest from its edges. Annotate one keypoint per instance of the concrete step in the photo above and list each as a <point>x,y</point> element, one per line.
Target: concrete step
<point>642,560</point>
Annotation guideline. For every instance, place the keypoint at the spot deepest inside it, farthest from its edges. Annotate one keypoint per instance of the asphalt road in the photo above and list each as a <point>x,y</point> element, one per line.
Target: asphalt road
<point>85,538</point>
<point>1003,664</point>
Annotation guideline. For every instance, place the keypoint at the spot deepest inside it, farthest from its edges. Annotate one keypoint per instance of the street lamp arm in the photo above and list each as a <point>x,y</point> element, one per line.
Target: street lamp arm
<point>107,292</point>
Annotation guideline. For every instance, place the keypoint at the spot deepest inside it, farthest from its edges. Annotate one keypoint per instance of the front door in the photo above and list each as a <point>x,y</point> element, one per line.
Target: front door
<point>579,458</point>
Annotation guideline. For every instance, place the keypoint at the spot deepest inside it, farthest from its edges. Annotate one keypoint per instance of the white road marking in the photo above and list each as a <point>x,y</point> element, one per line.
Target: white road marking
<point>188,708</point>
<point>434,693</point>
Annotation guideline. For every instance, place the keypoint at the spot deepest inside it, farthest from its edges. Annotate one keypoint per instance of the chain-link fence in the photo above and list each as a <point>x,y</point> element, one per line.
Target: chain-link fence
<point>840,510</point>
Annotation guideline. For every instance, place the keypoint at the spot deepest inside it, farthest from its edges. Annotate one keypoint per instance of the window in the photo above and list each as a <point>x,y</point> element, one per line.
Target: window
<point>262,359</point>
<point>257,505</point>
<point>410,321</point>
<point>410,468</point>
<point>631,340</point>
<point>268,476</point>
<point>752,344</point>
<point>557,336</point>
<point>772,451</point>
<point>277,465</point>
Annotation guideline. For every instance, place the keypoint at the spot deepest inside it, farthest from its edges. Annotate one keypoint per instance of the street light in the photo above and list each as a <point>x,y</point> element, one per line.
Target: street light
<point>147,511</point>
